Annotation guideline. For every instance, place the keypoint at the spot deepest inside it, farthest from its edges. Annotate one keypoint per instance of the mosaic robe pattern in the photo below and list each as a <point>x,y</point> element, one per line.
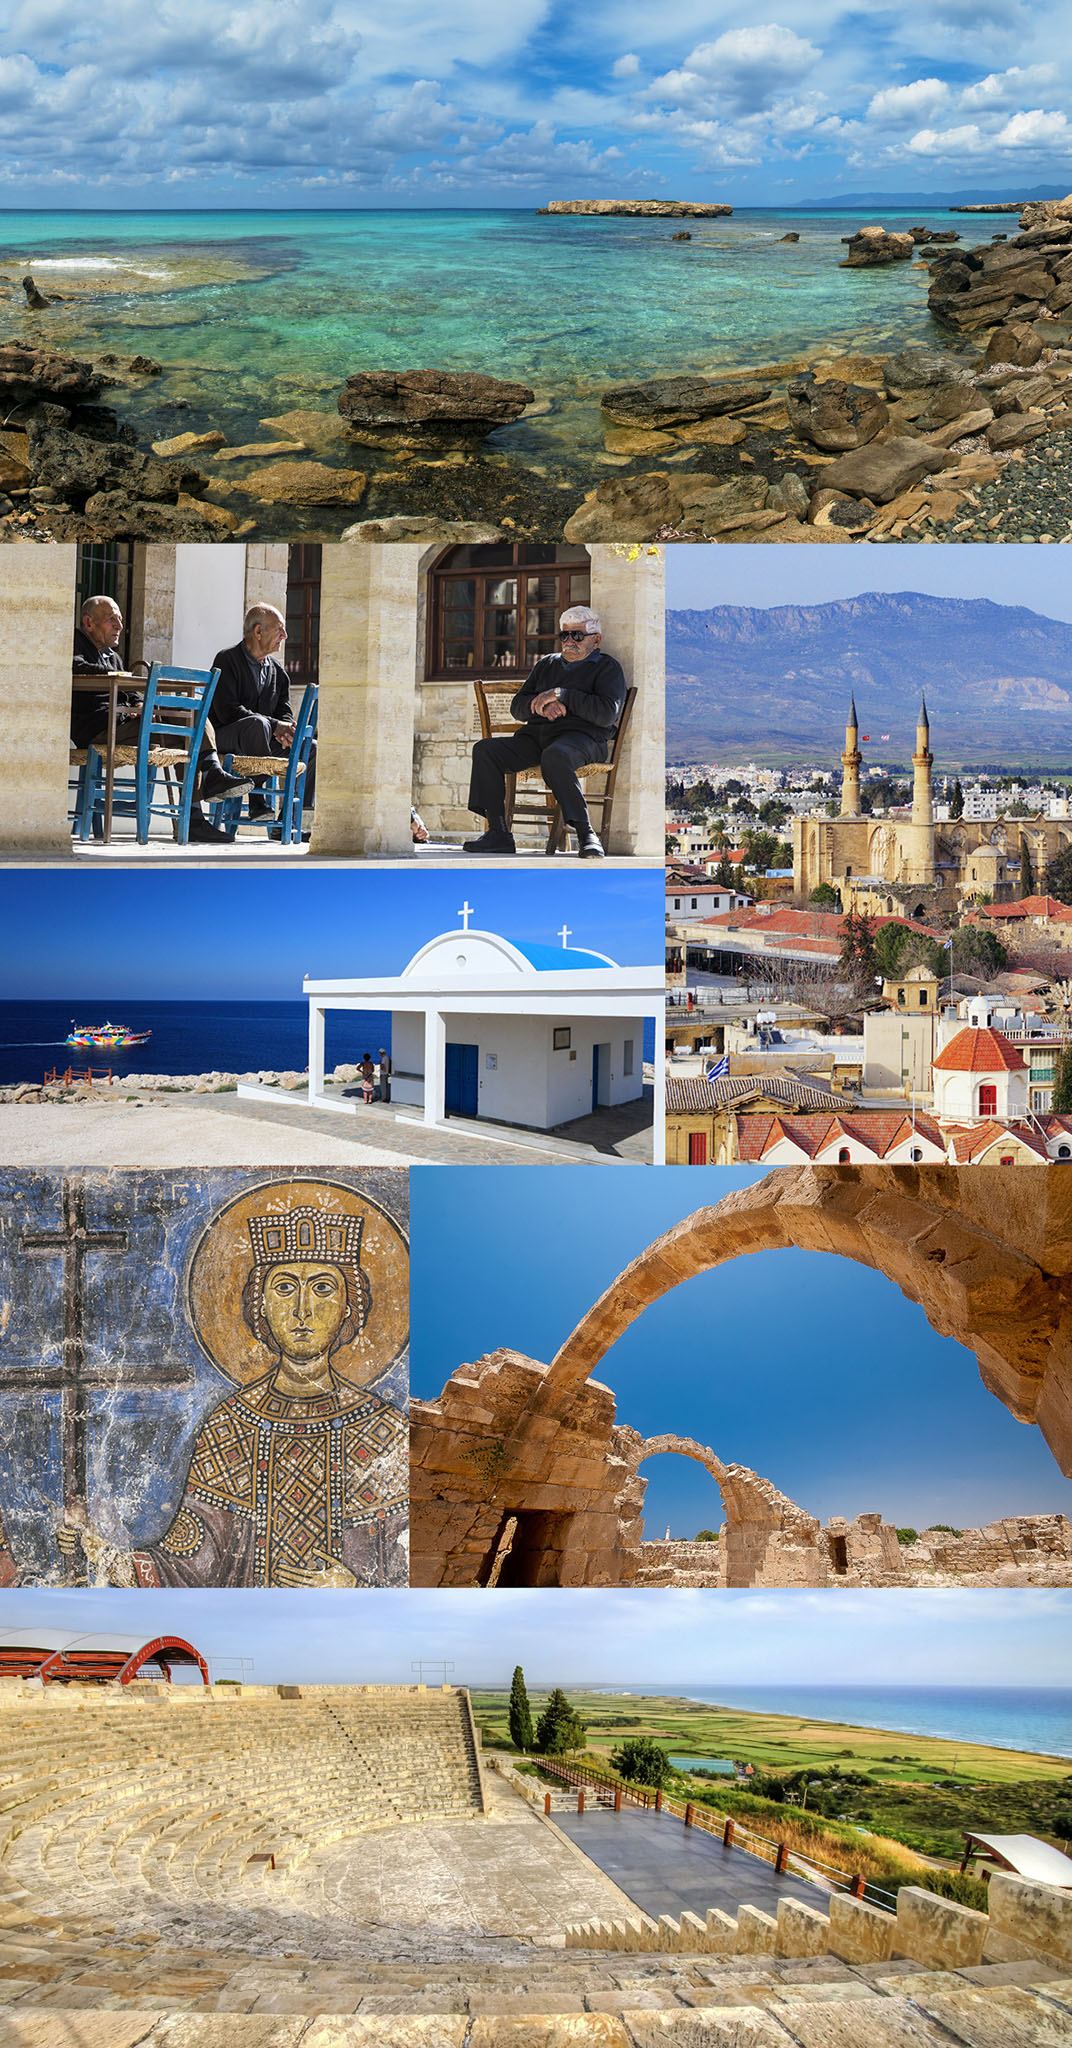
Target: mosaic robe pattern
<point>279,1486</point>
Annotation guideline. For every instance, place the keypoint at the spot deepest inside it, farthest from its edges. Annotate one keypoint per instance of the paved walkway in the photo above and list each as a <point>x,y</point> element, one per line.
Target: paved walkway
<point>623,1133</point>
<point>665,1867</point>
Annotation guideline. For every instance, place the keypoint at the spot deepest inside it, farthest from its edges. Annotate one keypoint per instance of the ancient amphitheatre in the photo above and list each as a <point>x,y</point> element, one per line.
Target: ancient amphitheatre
<point>521,1473</point>
<point>257,1867</point>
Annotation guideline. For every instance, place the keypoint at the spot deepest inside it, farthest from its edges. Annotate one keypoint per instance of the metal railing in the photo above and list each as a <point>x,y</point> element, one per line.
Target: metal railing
<point>735,1834</point>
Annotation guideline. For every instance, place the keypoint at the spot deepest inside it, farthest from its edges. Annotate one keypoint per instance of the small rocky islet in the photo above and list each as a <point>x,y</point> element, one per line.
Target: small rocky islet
<point>964,441</point>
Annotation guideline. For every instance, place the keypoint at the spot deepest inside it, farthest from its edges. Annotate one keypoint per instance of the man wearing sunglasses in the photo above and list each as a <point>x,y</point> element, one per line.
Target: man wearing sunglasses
<point>568,710</point>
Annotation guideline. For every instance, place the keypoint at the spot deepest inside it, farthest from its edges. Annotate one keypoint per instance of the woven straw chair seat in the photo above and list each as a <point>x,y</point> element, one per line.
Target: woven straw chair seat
<point>159,757</point>
<point>78,757</point>
<point>262,764</point>
<point>584,768</point>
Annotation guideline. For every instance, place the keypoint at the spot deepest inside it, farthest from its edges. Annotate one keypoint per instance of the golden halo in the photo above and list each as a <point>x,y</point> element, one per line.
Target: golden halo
<point>223,1260</point>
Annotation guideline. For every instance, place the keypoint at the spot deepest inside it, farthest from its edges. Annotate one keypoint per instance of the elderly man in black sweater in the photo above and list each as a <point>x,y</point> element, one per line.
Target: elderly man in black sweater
<point>252,711</point>
<point>96,652</point>
<point>570,707</point>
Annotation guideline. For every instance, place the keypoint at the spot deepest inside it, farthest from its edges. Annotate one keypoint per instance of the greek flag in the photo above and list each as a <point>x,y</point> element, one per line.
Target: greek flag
<point>720,1067</point>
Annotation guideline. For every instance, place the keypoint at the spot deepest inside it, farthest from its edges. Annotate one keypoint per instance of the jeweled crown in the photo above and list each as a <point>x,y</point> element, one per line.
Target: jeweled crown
<point>307,1234</point>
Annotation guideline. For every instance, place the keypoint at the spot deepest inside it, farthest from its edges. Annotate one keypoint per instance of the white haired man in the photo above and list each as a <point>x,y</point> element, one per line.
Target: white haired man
<point>569,708</point>
<point>96,652</point>
<point>252,711</point>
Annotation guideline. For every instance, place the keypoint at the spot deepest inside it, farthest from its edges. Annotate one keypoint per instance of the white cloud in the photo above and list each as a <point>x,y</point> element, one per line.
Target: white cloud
<point>627,66</point>
<point>1002,88</point>
<point>949,142</point>
<point>908,103</point>
<point>1028,130</point>
<point>741,72</point>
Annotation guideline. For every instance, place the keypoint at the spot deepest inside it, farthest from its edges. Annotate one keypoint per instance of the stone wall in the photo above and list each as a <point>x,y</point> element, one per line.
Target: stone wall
<point>35,684</point>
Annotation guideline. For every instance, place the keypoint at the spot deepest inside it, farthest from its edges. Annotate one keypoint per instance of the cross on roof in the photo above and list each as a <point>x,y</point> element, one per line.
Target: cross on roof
<point>465,913</point>
<point>565,934</point>
<point>71,1377</point>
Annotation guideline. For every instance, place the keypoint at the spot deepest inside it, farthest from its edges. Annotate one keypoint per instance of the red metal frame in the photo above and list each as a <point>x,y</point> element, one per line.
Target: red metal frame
<point>99,1667</point>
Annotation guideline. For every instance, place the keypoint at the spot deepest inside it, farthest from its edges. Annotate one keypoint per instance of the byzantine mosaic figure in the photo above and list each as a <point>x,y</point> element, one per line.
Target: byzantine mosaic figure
<point>300,1476</point>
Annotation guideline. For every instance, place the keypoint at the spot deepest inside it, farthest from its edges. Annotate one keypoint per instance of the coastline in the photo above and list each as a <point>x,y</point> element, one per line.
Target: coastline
<point>742,453</point>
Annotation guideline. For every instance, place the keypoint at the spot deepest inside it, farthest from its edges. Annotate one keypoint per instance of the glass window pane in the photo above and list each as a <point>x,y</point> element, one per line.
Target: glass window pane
<point>580,585</point>
<point>459,591</point>
<point>504,592</point>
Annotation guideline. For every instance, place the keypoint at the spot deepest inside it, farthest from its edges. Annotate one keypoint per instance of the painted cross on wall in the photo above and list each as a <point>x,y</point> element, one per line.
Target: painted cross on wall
<point>203,1378</point>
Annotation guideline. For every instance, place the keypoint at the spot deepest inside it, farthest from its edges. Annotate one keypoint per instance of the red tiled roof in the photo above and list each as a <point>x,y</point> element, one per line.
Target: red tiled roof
<point>881,1130</point>
<point>970,1140</point>
<point>1029,906</point>
<point>694,1092</point>
<point>978,1049</point>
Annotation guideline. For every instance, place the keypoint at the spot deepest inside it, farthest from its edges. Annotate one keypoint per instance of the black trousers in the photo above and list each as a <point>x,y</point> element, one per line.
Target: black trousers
<point>558,760</point>
<point>253,734</point>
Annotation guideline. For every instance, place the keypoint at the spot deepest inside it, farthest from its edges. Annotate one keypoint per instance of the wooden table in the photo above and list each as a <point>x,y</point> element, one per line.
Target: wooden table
<point>110,681</point>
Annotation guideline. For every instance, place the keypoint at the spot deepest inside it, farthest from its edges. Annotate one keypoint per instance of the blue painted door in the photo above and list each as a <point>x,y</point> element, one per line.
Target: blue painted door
<point>460,1091</point>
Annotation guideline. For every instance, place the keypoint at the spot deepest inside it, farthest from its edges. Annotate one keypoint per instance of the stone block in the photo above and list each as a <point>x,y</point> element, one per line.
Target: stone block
<point>669,1930</point>
<point>1038,1915</point>
<point>801,1930</point>
<point>860,1933</point>
<point>939,1932</point>
<point>693,1932</point>
<point>727,2026</point>
<point>756,1932</point>
<point>1005,2017</point>
<point>562,2030</point>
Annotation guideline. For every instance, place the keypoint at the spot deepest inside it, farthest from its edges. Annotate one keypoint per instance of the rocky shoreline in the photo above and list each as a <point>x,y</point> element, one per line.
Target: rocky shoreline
<point>945,442</point>
<point>124,1088</point>
<point>642,209</point>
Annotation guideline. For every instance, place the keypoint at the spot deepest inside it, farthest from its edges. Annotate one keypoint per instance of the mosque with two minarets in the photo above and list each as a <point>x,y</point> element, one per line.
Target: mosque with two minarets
<point>908,862</point>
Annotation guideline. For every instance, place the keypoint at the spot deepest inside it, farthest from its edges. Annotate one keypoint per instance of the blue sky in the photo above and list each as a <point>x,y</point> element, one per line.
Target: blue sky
<point>325,102</point>
<point>814,1371</point>
<point>204,935</point>
<point>600,1638</point>
<point>698,578</point>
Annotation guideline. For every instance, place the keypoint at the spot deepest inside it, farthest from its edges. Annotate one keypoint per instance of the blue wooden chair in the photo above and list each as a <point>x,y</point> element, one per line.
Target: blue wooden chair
<point>173,720</point>
<point>286,784</point>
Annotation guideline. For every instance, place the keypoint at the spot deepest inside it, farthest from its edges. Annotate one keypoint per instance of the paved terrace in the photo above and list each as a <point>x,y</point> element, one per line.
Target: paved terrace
<point>665,1867</point>
<point>222,1130</point>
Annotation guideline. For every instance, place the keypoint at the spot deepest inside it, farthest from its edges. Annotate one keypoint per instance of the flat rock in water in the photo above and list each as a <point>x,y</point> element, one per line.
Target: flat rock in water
<point>305,483</point>
<point>873,245</point>
<point>835,416</point>
<point>916,369</point>
<point>434,404</point>
<point>404,526</point>
<point>28,375</point>
<point>184,444</point>
<point>884,469</point>
<point>254,449</point>
<point>673,401</point>
<point>322,432</point>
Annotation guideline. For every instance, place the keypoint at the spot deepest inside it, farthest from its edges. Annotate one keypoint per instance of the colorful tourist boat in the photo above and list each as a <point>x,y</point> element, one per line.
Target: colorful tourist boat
<point>105,1036</point>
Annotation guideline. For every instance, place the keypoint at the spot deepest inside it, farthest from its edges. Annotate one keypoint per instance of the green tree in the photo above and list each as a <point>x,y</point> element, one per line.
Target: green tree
<point>520,1721</point>
<point>858,947</point>
<point>889,945</point>
<point>774,813</point>
<point>559,1728</point>
<point>1059,875</point>
<point>642,1762</point>
<point>956,808</point>
<point>978,951</point>
<point>723,874</point>
<point>1027,872</point>
<point>825,898</point>
<point>706,1536</point>
<point>1062,1082</point>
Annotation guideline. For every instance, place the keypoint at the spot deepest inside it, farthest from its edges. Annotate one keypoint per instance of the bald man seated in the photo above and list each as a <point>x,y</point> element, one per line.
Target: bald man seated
<point>252,711</point>
<point>96,652</point>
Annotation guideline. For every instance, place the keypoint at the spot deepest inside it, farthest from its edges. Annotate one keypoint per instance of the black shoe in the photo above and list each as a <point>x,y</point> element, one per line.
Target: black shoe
<point>589,843</point>
<point>260,810</point>
<point>276,833</point>
<point>204,834</point>
<point>494,840</point>
<point>216,783</point>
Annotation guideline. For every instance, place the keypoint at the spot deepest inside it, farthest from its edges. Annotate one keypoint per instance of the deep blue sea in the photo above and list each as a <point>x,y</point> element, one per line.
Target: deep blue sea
<point>190,1038</point>
<point>1035,1718</point>
<point>258,313</point>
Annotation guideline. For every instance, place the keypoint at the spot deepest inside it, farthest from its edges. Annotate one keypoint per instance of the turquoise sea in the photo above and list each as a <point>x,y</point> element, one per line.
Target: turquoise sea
<point>258,313</point>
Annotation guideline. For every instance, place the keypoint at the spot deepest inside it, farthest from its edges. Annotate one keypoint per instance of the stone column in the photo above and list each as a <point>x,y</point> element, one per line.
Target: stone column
<point>629,596</point>
<point>659,1104</point>
<point>35,687</point>
<point>266,578</point>
<point>368,654</point>
<point>316,1051</point>
<point>435,1065</point>
<point>152,621</point>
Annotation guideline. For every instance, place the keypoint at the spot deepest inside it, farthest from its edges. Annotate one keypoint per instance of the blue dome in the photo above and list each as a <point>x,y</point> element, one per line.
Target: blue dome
<point>559,959</point>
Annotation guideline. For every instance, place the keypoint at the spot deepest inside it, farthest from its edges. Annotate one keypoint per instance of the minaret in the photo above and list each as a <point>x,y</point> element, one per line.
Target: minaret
<point>850,762</point>
<point>922,761</point>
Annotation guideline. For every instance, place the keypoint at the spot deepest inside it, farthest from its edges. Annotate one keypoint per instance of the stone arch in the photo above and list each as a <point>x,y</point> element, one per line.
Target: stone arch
<point>769,1539</point>
<point>989,1263</point>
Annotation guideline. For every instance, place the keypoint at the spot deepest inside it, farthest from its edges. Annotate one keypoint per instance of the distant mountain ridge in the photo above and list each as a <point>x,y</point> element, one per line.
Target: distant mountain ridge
<point>775,684</point>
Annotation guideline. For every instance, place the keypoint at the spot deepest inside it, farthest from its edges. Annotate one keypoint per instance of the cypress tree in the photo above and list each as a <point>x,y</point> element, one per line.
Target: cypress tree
<point>520,1712</point>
